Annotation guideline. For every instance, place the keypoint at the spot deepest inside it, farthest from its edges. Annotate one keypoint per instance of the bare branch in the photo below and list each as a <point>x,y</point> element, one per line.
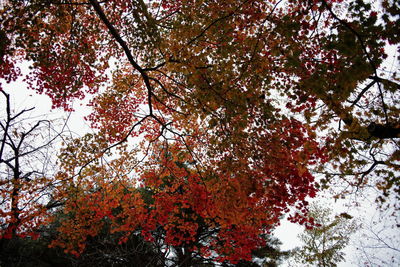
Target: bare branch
<point>362,93</point>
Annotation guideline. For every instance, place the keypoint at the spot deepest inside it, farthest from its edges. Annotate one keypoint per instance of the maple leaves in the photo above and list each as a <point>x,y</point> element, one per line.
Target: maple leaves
<point>89,208</point>
<point>46,36</point>
<point>120,99</point>
<point>227,99</point>
<point>215,209</point>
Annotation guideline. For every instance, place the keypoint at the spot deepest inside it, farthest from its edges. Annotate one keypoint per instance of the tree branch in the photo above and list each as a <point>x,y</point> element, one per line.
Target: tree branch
<point>362,93</point>
<point>122,43</point>
<point>364,49</point>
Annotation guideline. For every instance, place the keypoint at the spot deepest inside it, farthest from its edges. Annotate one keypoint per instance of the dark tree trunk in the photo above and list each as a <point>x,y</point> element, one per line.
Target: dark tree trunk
<point>384,131</point>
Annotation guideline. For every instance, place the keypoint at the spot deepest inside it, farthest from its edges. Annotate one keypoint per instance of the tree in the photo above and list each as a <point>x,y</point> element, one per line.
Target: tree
<point>377,241</point>
<point>236,91</point>
<point>101,250</point>
<point>26,168</point>
<point>27,252</point>
<point>173,207</point>
<point>323,244</point>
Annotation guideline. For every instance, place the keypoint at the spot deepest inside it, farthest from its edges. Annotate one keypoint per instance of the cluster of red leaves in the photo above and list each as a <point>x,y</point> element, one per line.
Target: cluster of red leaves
<point>171,6</point>
<point>117,108</point>
<point>25,224</point>
<point>62,44</point>
<point>221,210</point>
<point>62,81</point>
<point>8,71</point>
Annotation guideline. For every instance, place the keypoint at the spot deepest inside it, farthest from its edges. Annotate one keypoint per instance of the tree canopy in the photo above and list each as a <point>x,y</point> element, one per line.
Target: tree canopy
<point>211,118</point>
<point>324,244</point>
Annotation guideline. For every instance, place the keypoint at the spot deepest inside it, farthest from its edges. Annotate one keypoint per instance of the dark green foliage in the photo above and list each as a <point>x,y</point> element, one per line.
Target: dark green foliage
<point>30,253</point>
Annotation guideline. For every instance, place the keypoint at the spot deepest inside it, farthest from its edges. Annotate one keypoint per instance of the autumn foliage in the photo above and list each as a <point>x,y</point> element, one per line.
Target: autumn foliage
<point>208,116</point>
